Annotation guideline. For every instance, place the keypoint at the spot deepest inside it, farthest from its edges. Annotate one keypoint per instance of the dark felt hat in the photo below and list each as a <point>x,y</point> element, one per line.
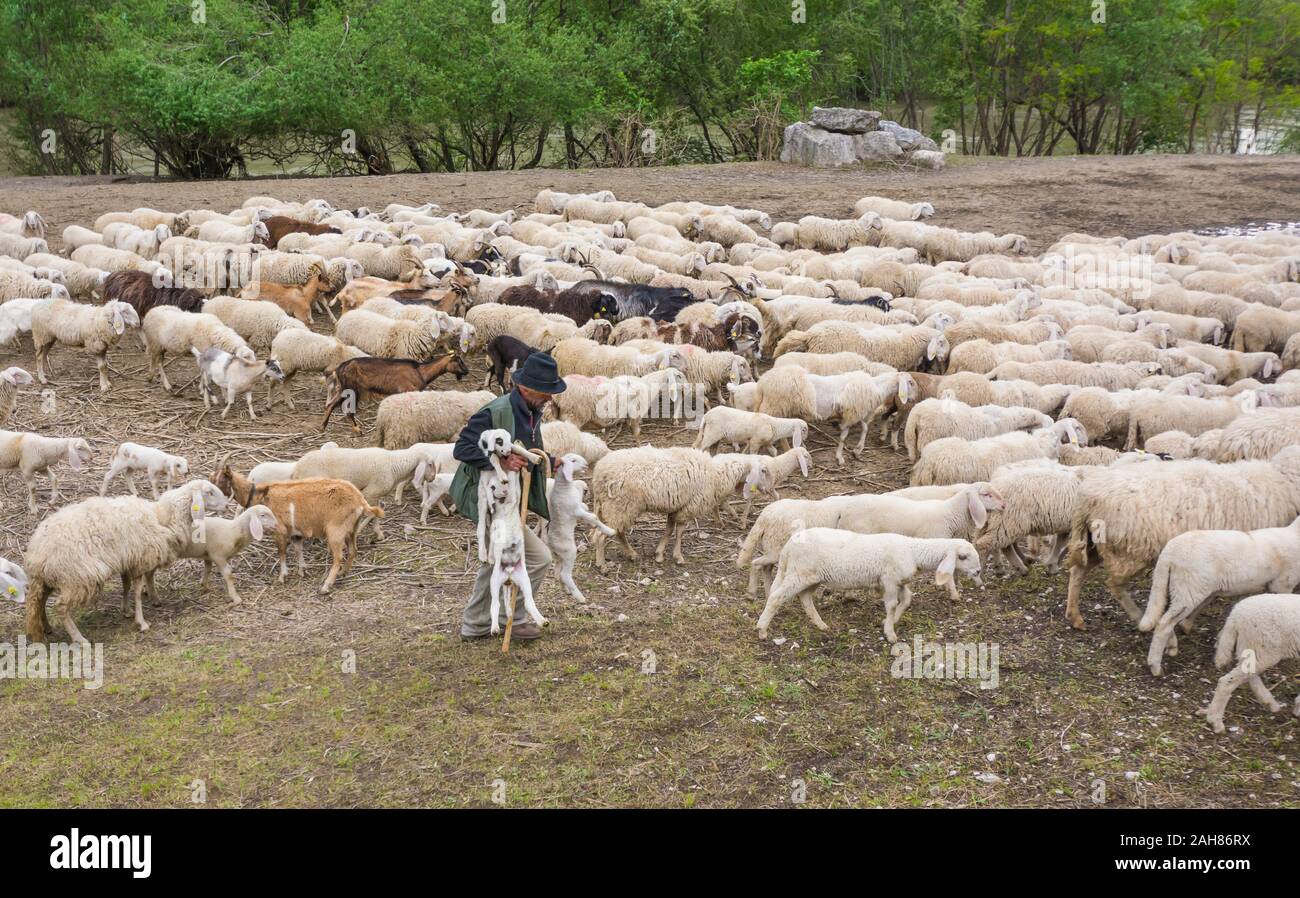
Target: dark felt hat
<point>539,373</point>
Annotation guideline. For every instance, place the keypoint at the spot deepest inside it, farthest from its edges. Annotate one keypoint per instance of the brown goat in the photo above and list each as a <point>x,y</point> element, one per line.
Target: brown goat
<point>136,289</point>
<point>313,508</point>
<point>358,290</point>
<point>368,377</point>
<point>724,335</point>
<point>280,225</point>
<point>295,300</point>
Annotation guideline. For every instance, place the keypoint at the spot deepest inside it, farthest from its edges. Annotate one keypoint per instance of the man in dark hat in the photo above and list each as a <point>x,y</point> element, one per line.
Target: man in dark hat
<point>520,413</point>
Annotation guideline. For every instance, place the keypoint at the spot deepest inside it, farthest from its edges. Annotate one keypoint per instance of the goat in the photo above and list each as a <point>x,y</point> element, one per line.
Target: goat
<point>368,377</point>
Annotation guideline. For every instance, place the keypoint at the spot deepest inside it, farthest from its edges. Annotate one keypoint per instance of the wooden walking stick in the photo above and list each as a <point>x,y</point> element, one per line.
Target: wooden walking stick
<point>523,522</point>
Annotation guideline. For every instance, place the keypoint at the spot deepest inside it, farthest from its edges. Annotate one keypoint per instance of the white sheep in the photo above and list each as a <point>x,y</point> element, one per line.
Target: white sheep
<point>954,460</point>
<point>839,561</point>
<point>96,328</point>
<point>385,337</point>
<point>561,438</point>
<point>169,329</point>
<point>224,539</point>
<point>427,416</point>
<point>935,419</point>
<point>32,454</point>
<point>257,321</point>
<point>897,209</point>
<point>1199,564</point>
<point>373,470</point>
<point>132,457</point>
<point>1260,632</point>
<point>11,379</point>
<point>757,432</point>
<point>297,349</point>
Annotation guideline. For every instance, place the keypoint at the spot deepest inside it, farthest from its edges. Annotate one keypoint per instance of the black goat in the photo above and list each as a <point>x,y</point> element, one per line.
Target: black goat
<point>505,353</point>
<point>639,300</point>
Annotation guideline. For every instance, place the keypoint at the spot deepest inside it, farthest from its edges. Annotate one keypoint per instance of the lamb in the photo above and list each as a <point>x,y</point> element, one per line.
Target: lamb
<point>507,553</point>
<point>840,561</point>
<point>317,508</point>
<point>21,247</point>
<point>385,337</point>
<point>1083,374</point>
<point>96,328</point>
<point>1200,564</point>
<point>144,242</point>
<point>935,419</point>
<point>684,484</point>
<point>831,362</point>
<point>224,539</point>
<point>233,374</point>
<point>1125,515</point>
<point>168,329</point>
<point>954,460</point>
<point>773,527</point>
<point>1189,414</point>
<point>1259,632</point>
<point>132,457</point>
<point>756,431</point>
<point>917,349</point>
<point>887,208</point>
<point>567,510</point>
<point>73,552</point>
<point>33,454</point>
<point>853,398</point>
<point>11,379</point>
<point>16,319</point>
<point>432,416</point>
<point>562,438</point>
<point>298,349</point>
<point>777,471</point>
<point>432,492</point>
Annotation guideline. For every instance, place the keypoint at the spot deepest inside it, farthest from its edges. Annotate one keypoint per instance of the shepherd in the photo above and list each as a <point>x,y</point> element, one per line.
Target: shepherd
<point>520,413</point>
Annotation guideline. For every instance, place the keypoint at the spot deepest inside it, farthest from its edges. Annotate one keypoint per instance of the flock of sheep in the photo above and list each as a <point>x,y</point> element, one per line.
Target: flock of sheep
<point>1002,375</point>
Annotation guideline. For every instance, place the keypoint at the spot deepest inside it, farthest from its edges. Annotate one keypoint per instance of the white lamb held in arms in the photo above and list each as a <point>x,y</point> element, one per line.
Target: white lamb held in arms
<point>1260,632</point>
<point>1195,566</point>
<point>840,561</point>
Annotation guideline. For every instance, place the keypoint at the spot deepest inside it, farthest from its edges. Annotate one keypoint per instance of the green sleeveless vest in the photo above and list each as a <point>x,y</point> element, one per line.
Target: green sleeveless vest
<point>464,486</point>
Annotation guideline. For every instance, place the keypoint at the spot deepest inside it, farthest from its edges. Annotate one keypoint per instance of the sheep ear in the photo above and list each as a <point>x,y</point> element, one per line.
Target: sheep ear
<point>74,457</point>
<point>796,438</point>
<point>419,472</point>
<point>255,526</point>
<point>803,463</point>
<point>119,325</point>
<point>976,506</point>
<point>943,573</point>
<point>1249,401</point>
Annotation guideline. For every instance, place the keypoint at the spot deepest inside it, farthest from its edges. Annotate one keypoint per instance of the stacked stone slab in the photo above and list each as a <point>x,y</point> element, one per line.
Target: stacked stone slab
<point>838,136</point>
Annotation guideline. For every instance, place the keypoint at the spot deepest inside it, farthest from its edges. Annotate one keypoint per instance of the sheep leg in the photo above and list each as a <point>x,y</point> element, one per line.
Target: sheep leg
<point>139,607</point>
<point>862,441</point>
<point>565,571</point>
<point>1262,695</point>
<point>207,570</point>
<point>1016,562</point>
<point>891,606</point>
<point>810,608</point>
<point>677,545</point>
<point>1228,684</point>
<point>101,362</point>
<point>249,396</point>
<point>31,494</point>
<point>839,447</point>
<point>777,597</point>
<point>1077,575</point>
<point>1160,641</point>
<point>336,544</point>
<point>1119,588</point>
<point>1058,552</point>
<point>126,593</point>
<point>54,485</point>
<point>73,633</point>
<point>669,526</point>
<point>153,485</point>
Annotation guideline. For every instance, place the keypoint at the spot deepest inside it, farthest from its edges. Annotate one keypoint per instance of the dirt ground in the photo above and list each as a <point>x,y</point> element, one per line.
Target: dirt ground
<point>657,692</point>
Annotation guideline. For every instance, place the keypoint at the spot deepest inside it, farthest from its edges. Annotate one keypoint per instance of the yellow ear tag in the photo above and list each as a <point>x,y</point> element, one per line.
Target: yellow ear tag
<point>12,590</point>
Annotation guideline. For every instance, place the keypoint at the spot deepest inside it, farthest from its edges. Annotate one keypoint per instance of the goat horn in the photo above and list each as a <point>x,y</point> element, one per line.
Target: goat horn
<point>835,293</point>
<point>734,282</point>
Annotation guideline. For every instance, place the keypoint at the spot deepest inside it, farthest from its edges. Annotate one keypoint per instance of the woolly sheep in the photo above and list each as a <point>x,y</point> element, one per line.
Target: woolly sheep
<point>887,208</point>
<point>256,321</point>
<point>954,460</point>
<point>95,328</point>
<point>20,285</point>
<point>430,416</point>
<point>82,282</point>
<point>385,337</point>
<point>1260,632</point>
<point>31,454</point>
<point>1259,435</point>
<point>756,431</point>
<point>1150,416</point>
<point>297,349</point>
<point>75,551</point>
<point>935,419</point>
<point>578,355</point>
<point>1200,564</point>
<point>562,438</point>
<point>567,510</point>
<point>11,379</point>
<point>831,362</point>
<point>169,329</point>
<point>838,561</point>
<point>981,356</point>
<point>1126,514</point>
<point>912,350</point>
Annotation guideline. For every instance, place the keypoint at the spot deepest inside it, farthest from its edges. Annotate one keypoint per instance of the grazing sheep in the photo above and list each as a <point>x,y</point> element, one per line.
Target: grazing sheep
<point>33,454</point>
<point>887,208</point>
<point>1126,514</point>
<point>95,328</point>
<point>1193,416</point>
<point>297,349</point>
<point>839,561</point>
<point>1260,632</point>
<point>83,283</point>
<point>917,349</point>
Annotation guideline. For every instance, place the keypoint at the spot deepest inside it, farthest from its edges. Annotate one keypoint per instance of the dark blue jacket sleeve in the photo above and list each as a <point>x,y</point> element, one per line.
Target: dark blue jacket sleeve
<point>466,448</point>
